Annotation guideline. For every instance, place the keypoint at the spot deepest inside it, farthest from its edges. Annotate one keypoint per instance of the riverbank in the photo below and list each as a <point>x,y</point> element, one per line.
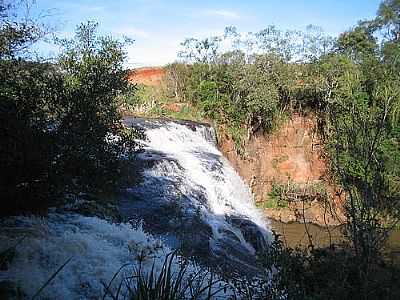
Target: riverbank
<point>299,234</point>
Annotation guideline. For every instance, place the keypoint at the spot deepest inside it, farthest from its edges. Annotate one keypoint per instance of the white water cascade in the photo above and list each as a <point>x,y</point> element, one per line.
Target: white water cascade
<point>191,174</point>
<point>189,198</point>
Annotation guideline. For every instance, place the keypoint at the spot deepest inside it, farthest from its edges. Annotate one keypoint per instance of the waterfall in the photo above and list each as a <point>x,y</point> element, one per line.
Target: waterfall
<point>189,177</point>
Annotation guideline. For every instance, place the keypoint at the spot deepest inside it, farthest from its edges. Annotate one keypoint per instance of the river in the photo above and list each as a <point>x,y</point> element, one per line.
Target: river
<point>189,197</point>
<point>298,235</point>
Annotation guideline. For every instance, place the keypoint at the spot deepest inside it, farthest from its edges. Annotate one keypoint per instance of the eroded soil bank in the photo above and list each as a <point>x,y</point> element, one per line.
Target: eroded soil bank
<point>151,76</point>
<point>290,155</point>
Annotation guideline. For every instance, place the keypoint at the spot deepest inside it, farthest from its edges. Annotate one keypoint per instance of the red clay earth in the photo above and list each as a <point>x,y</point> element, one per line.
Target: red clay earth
<point>292,153</point>
<point>152,76</point>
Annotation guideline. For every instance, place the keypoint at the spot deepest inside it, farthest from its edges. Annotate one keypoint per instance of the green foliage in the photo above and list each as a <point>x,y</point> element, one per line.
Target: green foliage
<point>27,92</point>
<point>250,87</point>
<point>59,122</point>
<point>93,78</point>
<point>177,80</point>
<point>153,101</point>
<point>356,42</point>
<point>358,142</point>
<point>168,283</point>
<point>282,195</point>
<point>361,102</point>
<point>388,19</point>
<point>352,87</point>
<point>60,133</point>
<point>276,198</point>
<point>16,36</point>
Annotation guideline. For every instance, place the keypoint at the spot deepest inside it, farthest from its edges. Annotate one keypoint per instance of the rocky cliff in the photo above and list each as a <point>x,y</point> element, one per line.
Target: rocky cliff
<point>291,156</point>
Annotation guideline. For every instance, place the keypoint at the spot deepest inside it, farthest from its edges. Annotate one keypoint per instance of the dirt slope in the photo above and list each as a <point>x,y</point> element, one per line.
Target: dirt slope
<point>152,76</point>
<point>292,154</point>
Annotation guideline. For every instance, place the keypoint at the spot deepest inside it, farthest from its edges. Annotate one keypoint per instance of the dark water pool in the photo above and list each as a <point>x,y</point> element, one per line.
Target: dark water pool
<point>295,234</point>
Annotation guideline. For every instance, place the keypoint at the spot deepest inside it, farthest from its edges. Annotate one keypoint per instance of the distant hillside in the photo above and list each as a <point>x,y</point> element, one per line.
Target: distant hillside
<point>147,76</point>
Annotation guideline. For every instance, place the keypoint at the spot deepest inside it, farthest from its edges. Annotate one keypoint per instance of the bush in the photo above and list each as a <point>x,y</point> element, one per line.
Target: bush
<point>28,140</point>
<point>93,79</point>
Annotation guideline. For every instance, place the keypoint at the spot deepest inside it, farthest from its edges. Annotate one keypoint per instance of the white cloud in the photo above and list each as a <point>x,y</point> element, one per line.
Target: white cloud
<point>152,53</point>
<point>227,14</point>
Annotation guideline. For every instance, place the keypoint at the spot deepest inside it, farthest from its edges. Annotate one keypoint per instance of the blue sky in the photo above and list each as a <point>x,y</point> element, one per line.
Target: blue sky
<point>159,26</point>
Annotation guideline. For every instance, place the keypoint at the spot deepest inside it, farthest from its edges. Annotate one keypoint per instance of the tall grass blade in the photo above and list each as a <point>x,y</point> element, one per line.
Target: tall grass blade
<point>51,278</point>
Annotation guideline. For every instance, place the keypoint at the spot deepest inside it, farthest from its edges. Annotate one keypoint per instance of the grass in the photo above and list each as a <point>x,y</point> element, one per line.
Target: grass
<point>272,202</point>
<point>282,194</point>
<point>6,257</point>
<point>238,135</point>
<point>51,278</point>
<point>187,112</point>
<point>169,283</point>
<point>154,101</point>
<point>276,198</point>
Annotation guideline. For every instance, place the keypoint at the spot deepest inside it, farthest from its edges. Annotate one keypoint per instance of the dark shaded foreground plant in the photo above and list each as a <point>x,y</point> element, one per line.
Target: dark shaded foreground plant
<point>60,127</point>
<point>51,278</point>
<point>169,283</point>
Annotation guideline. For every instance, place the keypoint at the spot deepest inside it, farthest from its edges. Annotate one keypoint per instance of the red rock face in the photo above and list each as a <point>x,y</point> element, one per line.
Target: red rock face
<point>292,153</point>
<point>147,76</point>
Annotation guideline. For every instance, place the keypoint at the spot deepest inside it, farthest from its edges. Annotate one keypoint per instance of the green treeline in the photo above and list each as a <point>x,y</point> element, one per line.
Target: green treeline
<point>351,84</point>
<point>60,129</point>
<point>255,83</point>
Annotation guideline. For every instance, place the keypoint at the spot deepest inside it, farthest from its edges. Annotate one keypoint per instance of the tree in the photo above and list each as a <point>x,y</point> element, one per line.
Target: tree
<point>17,33</point>
<point>94,77</point>
<point>200,51</point>
<point>28,90</point>
<point>388,19</point>
<point>60,127</point>
<point>357,43</point>
<point>359,136</point>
